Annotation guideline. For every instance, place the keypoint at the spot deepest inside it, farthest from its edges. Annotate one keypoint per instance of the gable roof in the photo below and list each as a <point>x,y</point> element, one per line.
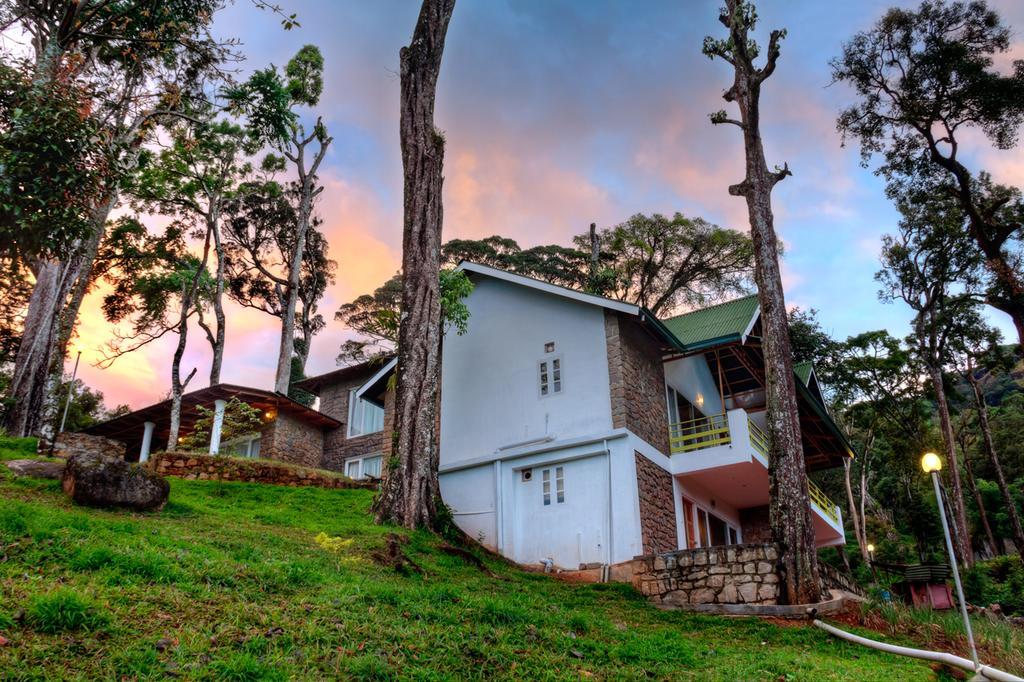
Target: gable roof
<point>645,315</point>
<point>714,325</point>
<point>363,369</point>
<point>803,371</point>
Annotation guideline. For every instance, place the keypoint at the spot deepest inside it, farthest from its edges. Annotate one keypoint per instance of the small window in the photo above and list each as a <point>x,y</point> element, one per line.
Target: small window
<point>559,485</point>
<point>371,466</point>
<point>363,417</point>
<point>550,376</point>
<point>352,468</point>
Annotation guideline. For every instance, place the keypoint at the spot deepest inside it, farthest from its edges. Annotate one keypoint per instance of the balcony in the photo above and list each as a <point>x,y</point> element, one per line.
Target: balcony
<point>728,453</point>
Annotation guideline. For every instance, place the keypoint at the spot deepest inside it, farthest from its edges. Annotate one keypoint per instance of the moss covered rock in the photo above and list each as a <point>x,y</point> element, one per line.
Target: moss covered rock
<point>100,481</point>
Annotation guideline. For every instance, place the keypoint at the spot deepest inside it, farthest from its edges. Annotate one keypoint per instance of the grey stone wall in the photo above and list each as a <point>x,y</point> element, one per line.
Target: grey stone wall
<point>637,380</point>
<point>289,440</point>
<point>657,507</point>
<point>733,574</point>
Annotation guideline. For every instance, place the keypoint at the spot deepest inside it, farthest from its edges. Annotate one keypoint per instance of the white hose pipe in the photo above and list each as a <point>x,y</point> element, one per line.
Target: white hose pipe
<point>938,656</point>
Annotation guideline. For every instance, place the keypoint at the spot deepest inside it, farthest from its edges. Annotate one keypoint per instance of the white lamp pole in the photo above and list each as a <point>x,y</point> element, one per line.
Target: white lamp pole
<point>932,464</point>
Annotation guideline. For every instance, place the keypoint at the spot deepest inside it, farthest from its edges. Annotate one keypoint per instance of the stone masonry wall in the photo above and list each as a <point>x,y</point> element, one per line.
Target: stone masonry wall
<point>733,574</point>
<point>290,440</point>
<point>221,468</point>
<point>755,526</point>
<point>337,446</point>
<point>657,507</point>
<point>637,380</point>
<point>69,444</point>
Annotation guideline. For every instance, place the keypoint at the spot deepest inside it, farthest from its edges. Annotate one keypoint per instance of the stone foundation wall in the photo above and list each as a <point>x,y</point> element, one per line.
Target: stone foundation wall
<point>733,574</point>
<point>194,466</point>
<point>69,444</point>
<point>637,381</point>
<point>289,440</point>
<point>657,506</point>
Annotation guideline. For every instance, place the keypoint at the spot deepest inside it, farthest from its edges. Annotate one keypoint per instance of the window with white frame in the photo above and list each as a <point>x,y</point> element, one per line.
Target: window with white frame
<point>363,416</point>
<point>550,375</point>
<point>243,446</point>
<point>559,485</point>
<point>363,467</point>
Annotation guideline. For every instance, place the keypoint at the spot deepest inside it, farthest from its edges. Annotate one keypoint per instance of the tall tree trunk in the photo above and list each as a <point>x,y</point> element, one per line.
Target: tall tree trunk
<point>982,514</point>
<point>308,193</point>
<point>962,537</point>
<point>854,514</point>
<point>409,490</point>
<point>990,450</point>
<point>790,508</point>
<point>217,344</point>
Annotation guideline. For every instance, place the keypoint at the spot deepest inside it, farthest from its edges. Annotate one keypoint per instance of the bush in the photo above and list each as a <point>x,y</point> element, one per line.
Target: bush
<point>63,610</point>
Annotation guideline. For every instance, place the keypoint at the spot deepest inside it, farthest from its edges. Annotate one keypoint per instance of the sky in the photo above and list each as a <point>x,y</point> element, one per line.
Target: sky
<point>559,113</point>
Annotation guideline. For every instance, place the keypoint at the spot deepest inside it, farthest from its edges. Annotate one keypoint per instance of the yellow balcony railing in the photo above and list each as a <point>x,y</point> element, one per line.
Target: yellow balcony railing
<point>699,433</point>
<point>758,438</point>
<point>821,499</point>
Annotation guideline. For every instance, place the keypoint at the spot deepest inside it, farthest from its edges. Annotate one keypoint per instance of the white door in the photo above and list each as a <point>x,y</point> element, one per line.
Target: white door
<point>561,513</point>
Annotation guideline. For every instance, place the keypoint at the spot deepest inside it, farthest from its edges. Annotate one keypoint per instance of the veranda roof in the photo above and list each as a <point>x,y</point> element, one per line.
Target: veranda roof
<point>128,427</point>
<point>714,325</point>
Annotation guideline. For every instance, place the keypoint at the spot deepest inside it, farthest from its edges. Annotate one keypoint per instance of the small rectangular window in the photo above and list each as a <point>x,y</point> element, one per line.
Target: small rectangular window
<point>352,468</point>
<point>560,485</point>
<point>546,486</point>
<point>371,466</point>
<point>363,417</point>
<point>550,376</point>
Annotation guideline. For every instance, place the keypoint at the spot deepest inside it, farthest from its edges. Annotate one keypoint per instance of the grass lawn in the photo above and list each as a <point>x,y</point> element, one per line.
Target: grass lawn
<point>234,581</point>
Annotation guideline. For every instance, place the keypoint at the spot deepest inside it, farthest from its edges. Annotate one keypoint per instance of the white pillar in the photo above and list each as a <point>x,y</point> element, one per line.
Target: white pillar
<point>218,424</point>
<point>147,440</point>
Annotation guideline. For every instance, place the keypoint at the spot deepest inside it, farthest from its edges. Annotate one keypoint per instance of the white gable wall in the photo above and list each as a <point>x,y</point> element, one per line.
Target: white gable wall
<point>490,396</point>
<point>692,378</point>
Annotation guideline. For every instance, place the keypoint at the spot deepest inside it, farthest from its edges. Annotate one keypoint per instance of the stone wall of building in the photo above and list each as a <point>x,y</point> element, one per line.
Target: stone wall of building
<point>733,574</point>
<point>194,466</point>
<point>337,446</point>
<point>291,440</point>
<point>657,507</point>
<point>637,380</point>
<point>754,525</point>
<point>69,444</point>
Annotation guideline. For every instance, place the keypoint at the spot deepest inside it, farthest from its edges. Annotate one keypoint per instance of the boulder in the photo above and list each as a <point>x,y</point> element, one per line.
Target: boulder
<point>36,468</point>
<point>100,481</point>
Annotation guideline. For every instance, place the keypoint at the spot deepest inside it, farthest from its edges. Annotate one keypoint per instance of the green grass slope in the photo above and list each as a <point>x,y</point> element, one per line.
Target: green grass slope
<point>235,582</point>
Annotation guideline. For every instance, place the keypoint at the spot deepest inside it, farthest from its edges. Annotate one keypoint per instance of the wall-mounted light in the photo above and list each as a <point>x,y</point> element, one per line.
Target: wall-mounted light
<point>700,400</point>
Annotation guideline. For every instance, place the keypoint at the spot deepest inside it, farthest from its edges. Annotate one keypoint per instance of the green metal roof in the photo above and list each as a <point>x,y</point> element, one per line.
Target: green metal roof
<point>713,325</point>
<point>803,371</point>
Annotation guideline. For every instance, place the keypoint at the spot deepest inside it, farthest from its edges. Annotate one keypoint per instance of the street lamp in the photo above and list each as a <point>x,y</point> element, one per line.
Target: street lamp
<point>932,464</point>
<point>871,562</point>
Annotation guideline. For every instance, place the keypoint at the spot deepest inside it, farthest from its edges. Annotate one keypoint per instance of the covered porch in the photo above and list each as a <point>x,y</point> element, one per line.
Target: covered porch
<point>147,430</point>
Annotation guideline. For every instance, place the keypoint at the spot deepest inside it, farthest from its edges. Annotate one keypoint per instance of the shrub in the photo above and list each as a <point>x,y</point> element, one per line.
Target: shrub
<point>63,610</point>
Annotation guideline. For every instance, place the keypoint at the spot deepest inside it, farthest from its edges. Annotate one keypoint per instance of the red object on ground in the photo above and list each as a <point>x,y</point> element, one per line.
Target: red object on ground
<point>935,595</point>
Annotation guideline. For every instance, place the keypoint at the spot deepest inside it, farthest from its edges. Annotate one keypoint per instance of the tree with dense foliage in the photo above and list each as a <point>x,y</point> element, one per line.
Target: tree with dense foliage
<point>161,287</point>
<point>140,64</point>
<point>271,99</point>
<point>929,267</point>
<point>197,170</point>
<point>409,492</point>
<point>260,230</point>
<point>925,79</point>
<point>789,507</point>
<point>663,263</point>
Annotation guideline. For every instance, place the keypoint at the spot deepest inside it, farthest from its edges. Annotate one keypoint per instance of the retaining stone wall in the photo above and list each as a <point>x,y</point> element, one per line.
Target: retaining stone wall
<point>733,574</point>
<point>194,466</point>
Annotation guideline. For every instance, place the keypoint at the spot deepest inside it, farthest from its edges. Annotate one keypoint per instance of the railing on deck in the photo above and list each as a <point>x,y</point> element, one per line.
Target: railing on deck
<point>821,499</point>
<point>758,438</point>
<point>700,433</point>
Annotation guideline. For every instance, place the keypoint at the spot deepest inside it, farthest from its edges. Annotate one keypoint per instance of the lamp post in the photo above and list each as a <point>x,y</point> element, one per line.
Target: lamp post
<point>932,464</point>
<point>871,561</point>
